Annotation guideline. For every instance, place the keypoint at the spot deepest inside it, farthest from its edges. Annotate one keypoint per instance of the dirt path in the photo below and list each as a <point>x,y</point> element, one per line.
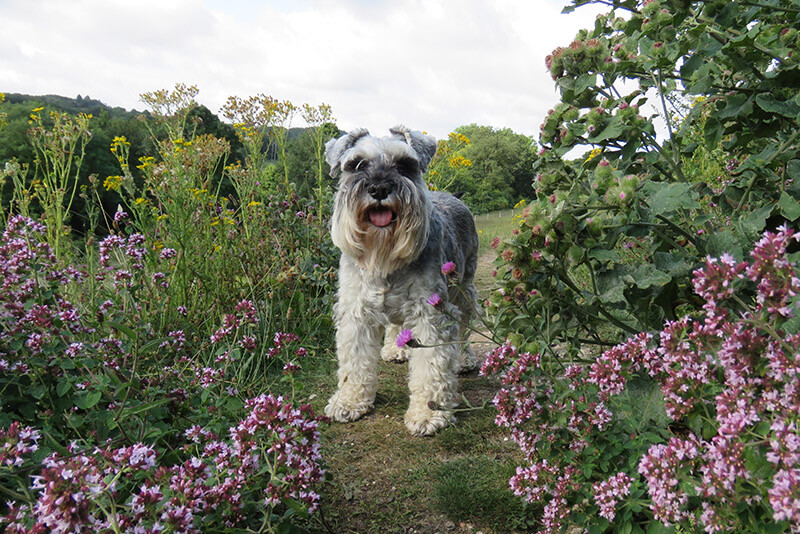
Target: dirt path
<point>384,480</point>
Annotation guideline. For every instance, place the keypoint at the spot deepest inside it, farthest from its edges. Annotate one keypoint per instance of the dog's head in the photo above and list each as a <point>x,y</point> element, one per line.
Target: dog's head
<point>382,209</point>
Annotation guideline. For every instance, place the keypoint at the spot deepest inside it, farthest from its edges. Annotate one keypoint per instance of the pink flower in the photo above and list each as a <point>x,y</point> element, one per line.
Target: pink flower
<point>434,300</point>
<point>449,268</point>
<point>404,338</point>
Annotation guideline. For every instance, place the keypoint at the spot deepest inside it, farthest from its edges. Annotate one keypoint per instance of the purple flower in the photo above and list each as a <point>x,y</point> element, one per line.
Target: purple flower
<point>449,268</point>
<point>404,338</point>
<point>434,300</point>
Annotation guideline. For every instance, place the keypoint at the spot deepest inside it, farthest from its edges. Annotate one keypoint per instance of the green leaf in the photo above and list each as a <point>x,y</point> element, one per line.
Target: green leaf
<point>659,528</point>
<point>769,103</point>
<point>648,276</point>
<point>790,208</point>
<point>602,254</point>
<point>666,197</point>
<point>143,407</point>
<point>724,241</point>
<point>755,222</point>
<point>63,387</point>
<point>89,400</point>
<point>129,333</point>
<point>737,106</point>
<point>613,129</point>
<point>793,169</point>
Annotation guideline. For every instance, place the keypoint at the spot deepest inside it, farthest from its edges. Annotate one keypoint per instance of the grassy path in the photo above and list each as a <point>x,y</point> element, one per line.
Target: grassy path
<point>384,480</point>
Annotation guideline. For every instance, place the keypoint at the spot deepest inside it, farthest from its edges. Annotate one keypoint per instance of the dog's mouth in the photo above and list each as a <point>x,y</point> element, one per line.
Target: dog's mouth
<point>381,216</point>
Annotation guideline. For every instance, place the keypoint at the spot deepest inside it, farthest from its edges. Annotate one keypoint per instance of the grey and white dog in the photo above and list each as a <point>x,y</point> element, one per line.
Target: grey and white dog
<point>395,235</point>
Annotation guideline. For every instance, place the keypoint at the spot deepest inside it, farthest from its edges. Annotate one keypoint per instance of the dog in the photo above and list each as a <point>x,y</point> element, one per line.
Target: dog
<point>395,236</point>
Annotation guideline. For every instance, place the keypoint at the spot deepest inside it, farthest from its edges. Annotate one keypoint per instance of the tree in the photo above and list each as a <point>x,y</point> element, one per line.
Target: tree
<point>493,168</point>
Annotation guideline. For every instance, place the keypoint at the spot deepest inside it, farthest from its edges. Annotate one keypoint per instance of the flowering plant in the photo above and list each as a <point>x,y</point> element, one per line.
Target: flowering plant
<point>94,404</point>
<point>724,454</point>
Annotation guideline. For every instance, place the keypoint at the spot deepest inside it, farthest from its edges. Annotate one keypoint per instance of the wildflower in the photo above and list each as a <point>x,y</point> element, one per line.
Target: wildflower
<point>112,183</point>
<point>434,300</point>
<point>448,268</point>
<point>608,493</point>
<point>404,338</point>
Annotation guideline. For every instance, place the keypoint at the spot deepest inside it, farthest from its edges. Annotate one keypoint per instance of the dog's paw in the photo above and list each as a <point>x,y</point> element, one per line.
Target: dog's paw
<point>469,362</point>
<point>394,354</point>
<point>343,412</point>
<point>427,422</point>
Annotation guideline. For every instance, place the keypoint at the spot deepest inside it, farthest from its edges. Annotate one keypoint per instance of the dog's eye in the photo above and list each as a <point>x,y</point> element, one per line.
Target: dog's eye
<point>353,165</point>
<point>407,167</point>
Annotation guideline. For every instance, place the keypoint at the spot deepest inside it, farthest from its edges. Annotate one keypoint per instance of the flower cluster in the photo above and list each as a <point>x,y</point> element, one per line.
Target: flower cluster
<point>271,455</point>
<point>608,493</point>
<point>730,380</point>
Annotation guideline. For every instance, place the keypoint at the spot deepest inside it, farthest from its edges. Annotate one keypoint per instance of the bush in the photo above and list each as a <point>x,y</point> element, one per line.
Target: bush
<point>728,378</point>
<point>122,429</point>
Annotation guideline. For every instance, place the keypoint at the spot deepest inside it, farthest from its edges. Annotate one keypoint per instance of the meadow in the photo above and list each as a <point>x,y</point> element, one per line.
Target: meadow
<point>164,363</point>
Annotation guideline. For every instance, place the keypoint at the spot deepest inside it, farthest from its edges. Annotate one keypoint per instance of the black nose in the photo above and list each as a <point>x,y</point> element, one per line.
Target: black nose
<point>380,190</point>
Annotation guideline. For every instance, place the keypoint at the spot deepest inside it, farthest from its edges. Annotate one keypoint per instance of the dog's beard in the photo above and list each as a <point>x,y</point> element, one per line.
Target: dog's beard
<point>381,237</point>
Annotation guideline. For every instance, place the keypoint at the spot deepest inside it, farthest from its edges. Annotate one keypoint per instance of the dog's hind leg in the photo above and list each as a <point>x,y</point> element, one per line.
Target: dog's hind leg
<point>390,351</point>
<point>464,298</point>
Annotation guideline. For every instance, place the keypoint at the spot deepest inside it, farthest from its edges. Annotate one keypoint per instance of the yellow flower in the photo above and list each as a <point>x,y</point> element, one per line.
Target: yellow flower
<point>139,200</point>
<point>161,217</point>
<point>593,154</point>
<point>253,203</point>
<point>113,182</point>
<point>520,204</point>
<point>37,110</point>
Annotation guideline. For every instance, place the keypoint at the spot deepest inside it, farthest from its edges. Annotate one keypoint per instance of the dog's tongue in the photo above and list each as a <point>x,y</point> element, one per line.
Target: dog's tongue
<point>380,216</point>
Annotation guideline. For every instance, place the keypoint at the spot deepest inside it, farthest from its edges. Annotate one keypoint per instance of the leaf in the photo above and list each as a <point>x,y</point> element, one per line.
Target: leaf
<point>659,528</point>
<point>755,222</point>
<point>790,208</point>
<point>769,103</point>
<point>648,276</point>
<point>724,241</point>
<point>602,254</point>
<point>63,387</point>
<point>124,329</point>
<point>793,168</point>
<point>737,106</point>
<point>89,400</point>
<point>613,129</point>
<point>144,407</point>
<point>671,197</point>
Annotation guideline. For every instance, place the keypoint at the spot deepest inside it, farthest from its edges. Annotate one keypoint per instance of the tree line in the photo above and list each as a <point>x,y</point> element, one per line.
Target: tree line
<point>490,168</point>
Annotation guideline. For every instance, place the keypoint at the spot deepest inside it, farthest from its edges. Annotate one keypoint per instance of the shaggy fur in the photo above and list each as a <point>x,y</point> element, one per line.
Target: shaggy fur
<point>395,235</point>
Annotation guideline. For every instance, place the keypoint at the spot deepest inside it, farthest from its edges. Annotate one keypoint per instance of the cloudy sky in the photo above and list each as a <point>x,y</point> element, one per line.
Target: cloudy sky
<point>430,64</point>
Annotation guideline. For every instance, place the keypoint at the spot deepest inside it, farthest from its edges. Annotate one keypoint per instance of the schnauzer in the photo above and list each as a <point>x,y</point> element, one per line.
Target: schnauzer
<point>395,236</point>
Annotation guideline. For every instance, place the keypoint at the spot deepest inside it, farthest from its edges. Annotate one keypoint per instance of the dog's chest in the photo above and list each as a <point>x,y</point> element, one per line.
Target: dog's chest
<point>389,301</point>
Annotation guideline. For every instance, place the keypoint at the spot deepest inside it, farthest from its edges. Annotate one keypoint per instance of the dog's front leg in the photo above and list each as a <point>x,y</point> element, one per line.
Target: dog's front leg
<point>432,376</point>
<point>358,346</point>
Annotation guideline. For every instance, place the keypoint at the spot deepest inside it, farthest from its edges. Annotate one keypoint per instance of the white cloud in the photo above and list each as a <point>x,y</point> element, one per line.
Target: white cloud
<point>432,65</point>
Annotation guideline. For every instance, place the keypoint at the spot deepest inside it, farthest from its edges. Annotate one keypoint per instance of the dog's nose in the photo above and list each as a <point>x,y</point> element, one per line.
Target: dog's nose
<point>379,190</point>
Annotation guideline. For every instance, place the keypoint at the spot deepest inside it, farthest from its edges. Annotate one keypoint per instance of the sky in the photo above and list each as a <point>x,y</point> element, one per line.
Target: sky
<point>432,65</point>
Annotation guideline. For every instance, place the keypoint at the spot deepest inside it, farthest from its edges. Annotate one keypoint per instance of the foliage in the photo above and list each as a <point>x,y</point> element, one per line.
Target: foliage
<point>616,244</point>
<point>492,168</point>
<point>144,415</point>
<point>133,358</point>
<point>729,378</point>
<point>607,246</point>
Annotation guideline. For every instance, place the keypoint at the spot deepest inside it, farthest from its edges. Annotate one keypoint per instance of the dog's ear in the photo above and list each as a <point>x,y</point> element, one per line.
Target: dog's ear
<point>335,148</point>
<point>424,145</point>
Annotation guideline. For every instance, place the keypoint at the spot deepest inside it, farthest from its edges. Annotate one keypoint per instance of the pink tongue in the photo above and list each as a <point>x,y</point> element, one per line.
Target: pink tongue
<point>380,216</point>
